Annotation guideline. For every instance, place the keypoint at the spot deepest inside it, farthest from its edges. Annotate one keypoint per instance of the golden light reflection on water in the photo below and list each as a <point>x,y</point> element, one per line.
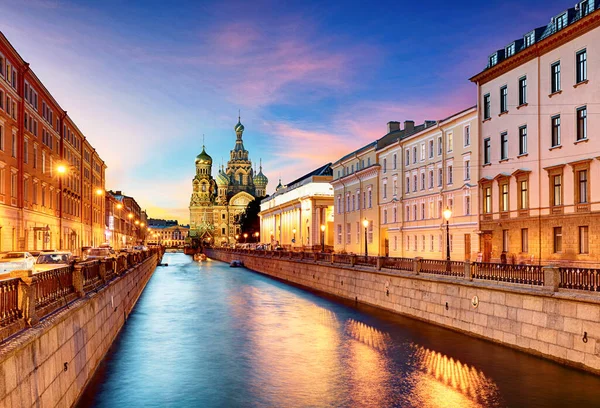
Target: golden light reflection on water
<point>367,365</point>
<point>441,381</point>
<point>295,346</point>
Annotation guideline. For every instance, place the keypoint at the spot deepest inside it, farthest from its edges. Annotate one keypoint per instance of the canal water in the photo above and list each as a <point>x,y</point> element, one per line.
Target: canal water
<point>206,335</point>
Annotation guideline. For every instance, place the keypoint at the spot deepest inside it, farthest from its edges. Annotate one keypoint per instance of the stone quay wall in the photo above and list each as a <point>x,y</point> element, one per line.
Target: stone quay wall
<point>559,324</point>
<point>50,364</point>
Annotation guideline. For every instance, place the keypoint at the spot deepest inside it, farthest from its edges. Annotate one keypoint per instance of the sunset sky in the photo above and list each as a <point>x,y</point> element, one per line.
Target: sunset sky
<point>144,80</point>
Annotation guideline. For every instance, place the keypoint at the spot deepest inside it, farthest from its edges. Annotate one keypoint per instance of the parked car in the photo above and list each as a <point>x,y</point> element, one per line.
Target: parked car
<point>13,261</point>
<point>52,260</point>
<point>98,253</point>
<point>140,248</point>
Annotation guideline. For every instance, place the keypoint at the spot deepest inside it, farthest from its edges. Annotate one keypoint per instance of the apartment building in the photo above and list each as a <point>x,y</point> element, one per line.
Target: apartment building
<point>293,216</point>
<point>539,107</point>
<point>356,184</point>
<point>431,170</point>
<point>42,174</point>
<point>127,224</point>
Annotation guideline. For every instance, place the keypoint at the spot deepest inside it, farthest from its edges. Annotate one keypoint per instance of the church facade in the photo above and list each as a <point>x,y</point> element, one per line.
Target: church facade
<point>216,203</point>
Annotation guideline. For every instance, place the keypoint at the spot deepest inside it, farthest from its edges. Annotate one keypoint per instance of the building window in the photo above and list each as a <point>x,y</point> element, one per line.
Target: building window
<point>422,181</point>
<point>407,185</point>
<point>395,162</point>
<point>370,232</point>
<point>467,205</point>
<point>395,187</point>
<point>430,178</point>
<point>384,165</point>
<point>585,8</point>
<point>523,140</point>
<point>407,158</point>
<point>505,240</point>
<point>395,214</point>
<point>524,240</point>
<point>557,232</point>
<point>339,234</point>
<point>556,131</point>
<point>370,199</point>
<point>582,191</point>
<point>583,240</point>
<point>415,183</point>
<point>467,169</point>
<point>504,197</point>
<point>467,136</point>
<point>522,91</point>
<point>414,154</point>
<point>440,177</point>
<point>415,212</point>
<point>422,211</point>
<point>581,61</point>
<point>504,146</point>
<point>555,75</point>
<point>561,21</point>
<point>348,233</point>
<point>487,114</point>
<point>523,195</point>
<point>439,146</point>
<point>504,99</point>
<point>431,149</point>
<point>450,139</point>
<point>487,151</point>
<point>450,174</point>
<point>487,200</point>
<point>384,190</point>
<point>582,123</point>
<point>557,190</point>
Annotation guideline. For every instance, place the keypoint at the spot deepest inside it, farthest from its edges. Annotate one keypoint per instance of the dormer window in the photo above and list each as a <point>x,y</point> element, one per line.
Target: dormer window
<point>561,21</point>
<point>529,39</point>
<point>584,6</point>
<point>510,50</point>
<point>493,59</point>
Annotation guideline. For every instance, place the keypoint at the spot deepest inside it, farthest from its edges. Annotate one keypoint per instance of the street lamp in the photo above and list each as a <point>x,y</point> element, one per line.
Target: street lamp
<point>447,215</point>
<point>294,238</point>
<point>245,236</point>
<point>322,237</point>
<point>366,225</point>
<point>119,206</point>
<point>256,234</point>
<point>61,169</point>
<point>99,192</point>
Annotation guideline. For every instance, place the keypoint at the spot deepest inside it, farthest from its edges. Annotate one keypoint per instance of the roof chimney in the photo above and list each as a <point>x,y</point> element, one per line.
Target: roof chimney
<point>393,126</point>
<point>429,123</point>
<point>118,192</point>
<point>409,125</point>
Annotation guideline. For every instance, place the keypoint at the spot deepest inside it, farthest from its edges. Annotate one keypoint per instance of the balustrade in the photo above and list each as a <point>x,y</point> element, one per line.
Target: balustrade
<point>580,278</point>
<point>9,301</point>
<point>53,285</point>
<point>523,274</point>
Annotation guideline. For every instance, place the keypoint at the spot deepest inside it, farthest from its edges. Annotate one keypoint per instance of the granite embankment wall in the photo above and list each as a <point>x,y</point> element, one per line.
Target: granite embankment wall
<point>49,364</point>
<point>563,325</point>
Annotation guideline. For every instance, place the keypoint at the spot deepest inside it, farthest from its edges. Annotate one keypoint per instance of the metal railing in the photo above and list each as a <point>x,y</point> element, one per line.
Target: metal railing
<point>580,278</point>
<point>342,259</point>
<point>401,264</point>
<point>50,288</point>
<point>9,306</point>
<point>53,285</point>
<point>523,274</point>
<point>443,267</point>
<point>366,261</point>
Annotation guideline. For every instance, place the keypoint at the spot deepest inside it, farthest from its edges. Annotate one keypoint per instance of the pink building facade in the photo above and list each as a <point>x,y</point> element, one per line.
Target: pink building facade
<point>539,138</point>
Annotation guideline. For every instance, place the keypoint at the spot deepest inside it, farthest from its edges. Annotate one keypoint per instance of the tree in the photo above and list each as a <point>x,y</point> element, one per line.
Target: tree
<point>249,220</point>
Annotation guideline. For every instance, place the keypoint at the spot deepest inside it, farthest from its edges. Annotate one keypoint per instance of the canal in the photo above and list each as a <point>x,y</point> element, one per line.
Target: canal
<point>206,335</point>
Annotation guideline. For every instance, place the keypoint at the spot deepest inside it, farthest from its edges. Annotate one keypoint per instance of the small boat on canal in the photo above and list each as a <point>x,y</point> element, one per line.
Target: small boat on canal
<point>199,257</point>
<point>236,263</point>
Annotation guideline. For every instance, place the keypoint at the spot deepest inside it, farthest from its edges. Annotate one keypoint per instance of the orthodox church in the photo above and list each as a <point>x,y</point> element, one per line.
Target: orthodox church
<point>217,202</point>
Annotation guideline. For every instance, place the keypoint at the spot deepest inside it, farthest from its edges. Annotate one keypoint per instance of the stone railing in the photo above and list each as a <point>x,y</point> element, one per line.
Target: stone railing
<point>27,297</point>
<point>586,279</point>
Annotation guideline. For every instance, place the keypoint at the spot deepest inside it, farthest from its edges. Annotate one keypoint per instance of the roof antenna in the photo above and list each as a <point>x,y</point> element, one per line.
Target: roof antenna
<point>239,116</point>
<point>202,140</point>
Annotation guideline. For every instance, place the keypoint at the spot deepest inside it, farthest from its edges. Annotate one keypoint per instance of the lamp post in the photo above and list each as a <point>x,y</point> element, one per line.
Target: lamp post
<point>322,237</point>
<point>245,237</point>
<point>256,234</point>
<point>447,215</point>
<point>366,225</point>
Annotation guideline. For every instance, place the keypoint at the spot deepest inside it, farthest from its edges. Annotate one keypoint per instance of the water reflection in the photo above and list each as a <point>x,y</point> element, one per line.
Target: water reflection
<point>210,336</point>
<point>442,381</point>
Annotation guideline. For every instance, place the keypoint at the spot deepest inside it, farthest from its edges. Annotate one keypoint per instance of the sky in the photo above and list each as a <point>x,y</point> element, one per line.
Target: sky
<point>145,80</point>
